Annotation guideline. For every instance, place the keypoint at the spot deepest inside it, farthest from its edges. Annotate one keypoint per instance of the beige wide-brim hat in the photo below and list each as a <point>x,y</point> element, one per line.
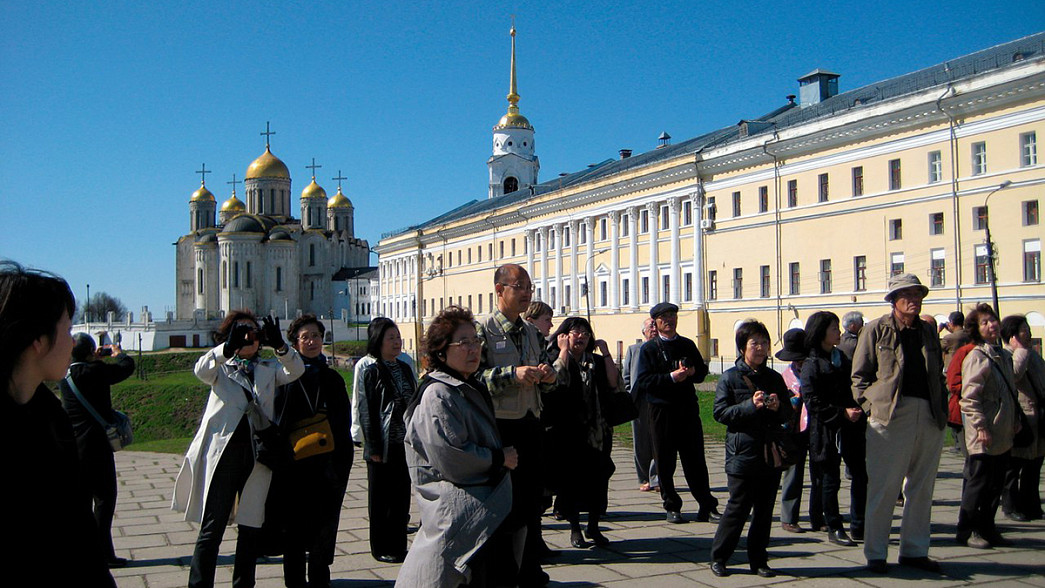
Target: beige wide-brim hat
<point>902,282</point>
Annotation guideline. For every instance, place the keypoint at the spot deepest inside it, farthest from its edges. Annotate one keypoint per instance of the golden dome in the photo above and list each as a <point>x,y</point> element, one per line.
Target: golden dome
<point>233,204</point>
<point>268,166</point>
<point>202,195</point>
<point>339,200</point>
<point>513,120</point>
<point>313,190</point>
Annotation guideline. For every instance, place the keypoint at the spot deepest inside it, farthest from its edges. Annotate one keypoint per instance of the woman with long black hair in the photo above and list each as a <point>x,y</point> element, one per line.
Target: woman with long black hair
<point>388,385</point>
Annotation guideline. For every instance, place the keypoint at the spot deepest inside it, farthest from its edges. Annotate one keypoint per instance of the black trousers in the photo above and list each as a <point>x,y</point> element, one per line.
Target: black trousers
<point>831,483</point>
<point>746,494</point>
<point>230,476</point>
<point>1021,493</point>
<point>312,512</point>
<point>981,493</point>
<point>528,483</point>
<point>388,503</point>
<point>679,435</point>
<point>645,467</point>
<point>98,469</point>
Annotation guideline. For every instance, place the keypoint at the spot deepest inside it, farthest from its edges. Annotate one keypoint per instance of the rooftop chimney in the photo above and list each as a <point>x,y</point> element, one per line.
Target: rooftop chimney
<point>625,153</point>
<point>665,139</point>
<point>817,86</point>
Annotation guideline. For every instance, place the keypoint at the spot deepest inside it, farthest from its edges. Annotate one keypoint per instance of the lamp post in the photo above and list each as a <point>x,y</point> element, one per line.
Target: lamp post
<point>587,288</point>
<point>990,245</point>
<point>333,347</point>
<point>87,307</point>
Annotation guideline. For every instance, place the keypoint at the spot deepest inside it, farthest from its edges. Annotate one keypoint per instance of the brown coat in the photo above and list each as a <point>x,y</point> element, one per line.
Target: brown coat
<point>878,369</point>
<point>988,399</point>
<point>1029,369</point>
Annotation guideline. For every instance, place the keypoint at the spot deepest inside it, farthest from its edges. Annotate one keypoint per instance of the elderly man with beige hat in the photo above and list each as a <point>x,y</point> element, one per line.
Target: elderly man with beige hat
<point>898,381</point>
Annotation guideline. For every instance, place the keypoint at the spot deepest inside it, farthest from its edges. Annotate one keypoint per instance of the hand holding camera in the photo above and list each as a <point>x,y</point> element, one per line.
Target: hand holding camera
<point>271,335</point>
<point>241,335</point>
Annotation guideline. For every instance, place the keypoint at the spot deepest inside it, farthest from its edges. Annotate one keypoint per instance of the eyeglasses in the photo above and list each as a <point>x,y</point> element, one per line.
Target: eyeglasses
<point>305,337</point>
<point>580,333</point>
<point>467,343</point>
<point>527,288</point>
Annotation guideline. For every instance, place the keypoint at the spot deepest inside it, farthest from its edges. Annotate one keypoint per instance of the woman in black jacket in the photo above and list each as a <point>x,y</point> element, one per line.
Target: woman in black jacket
<point>836,426</point>
<point>752,401</point>
<point>308,493</point>
<point>388,385</point>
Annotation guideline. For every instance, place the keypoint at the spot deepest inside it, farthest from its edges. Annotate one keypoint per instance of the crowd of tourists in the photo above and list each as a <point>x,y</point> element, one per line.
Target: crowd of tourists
<point>511,419</point>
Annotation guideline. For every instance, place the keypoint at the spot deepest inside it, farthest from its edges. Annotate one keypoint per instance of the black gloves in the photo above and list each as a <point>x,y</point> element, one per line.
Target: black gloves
<point>270,333</point>
<point>241,336</point>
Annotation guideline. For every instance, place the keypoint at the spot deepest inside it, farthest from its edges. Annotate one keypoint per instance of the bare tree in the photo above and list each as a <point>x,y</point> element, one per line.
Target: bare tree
<point>100,305</point>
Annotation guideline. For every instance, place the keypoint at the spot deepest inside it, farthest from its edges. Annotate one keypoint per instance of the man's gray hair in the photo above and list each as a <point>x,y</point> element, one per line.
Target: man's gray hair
<point>646,324</point>
<point>851,318</point>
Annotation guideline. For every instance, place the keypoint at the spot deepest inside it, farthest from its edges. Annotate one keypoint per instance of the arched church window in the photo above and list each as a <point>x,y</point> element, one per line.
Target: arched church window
<point>199,279</point>
<point>224,274</point>
<point>312,254</point>
<point>279,279</point>
<point>509,143</point>
<point>510,185</point>
<point>235,274</point>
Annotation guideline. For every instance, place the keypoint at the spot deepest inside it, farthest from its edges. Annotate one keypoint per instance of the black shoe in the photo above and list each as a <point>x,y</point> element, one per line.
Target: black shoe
<point>975,541</point>
<point>597,537</point>
<point>765,571</point>
<point>792,528</point>
<point>922,563</point>
<point>856,534</point>
<point>996,539</point>
<point>389,558</point>
<point>719,569</point>
<point>877,566</point>
<point>675,517</point>
<point>705,515</point>
<point>1017,516</point>
<point>577,540</point>
<point>838,537</point>
<point>116,562</point>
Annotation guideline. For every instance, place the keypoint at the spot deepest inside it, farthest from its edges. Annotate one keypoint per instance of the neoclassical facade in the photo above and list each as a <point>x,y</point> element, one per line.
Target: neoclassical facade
<point>811,206</point>
<point>258,256</point>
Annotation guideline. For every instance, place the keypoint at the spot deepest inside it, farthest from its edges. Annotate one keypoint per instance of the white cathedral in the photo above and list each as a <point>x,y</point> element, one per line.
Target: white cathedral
<point>258,256</point>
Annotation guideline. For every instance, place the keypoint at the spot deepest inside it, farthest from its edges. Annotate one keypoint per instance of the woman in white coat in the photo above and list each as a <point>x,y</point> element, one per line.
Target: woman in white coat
<point>220,463</point>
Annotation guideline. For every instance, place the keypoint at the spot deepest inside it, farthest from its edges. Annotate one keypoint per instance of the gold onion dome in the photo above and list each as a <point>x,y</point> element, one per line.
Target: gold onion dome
<point>202,195</point>
<point>233,204</point>
<point>268,166</point>
<point>339,200</point>
<point>513,119</point>
<point>314,190</point>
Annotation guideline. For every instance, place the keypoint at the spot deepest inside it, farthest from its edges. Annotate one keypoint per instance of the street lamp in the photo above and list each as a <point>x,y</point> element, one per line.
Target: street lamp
<point>87,307</point>
<point>990,246</point>
<point>587,288</point>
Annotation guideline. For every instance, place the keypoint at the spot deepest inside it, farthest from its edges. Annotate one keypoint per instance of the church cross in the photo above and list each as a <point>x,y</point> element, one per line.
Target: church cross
<point>203,171</point>
<point>313,167</point>
<point>339,178</point>
<point>234,182</point>
<point>267,134</point>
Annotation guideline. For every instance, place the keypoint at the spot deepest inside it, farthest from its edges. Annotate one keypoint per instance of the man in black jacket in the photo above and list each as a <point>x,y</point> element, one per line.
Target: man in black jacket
<point>93,378</point>
<point>669,365</point>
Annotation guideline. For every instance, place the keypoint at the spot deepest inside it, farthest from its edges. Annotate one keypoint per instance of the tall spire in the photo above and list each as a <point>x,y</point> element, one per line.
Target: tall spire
<point>513,118</point>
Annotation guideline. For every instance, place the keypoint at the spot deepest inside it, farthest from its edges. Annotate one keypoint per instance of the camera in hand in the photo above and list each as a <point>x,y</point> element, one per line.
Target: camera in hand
<point>104,351</point>
<point>686,362</point>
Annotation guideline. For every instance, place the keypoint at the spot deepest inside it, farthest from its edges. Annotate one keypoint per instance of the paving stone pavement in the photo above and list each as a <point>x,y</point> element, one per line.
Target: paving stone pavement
<point>645,550</point>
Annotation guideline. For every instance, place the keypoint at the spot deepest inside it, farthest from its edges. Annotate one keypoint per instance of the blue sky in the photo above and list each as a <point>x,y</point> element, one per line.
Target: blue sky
<point>108,108</point>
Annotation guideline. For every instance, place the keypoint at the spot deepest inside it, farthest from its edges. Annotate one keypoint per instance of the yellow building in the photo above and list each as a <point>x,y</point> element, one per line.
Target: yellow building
<point>810,207</point>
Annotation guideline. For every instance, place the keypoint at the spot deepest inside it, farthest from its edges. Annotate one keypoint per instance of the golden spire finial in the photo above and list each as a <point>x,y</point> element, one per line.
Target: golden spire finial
<point>513,94</point>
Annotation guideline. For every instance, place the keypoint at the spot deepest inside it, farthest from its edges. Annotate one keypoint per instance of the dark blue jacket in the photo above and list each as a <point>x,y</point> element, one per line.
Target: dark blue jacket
<point>746,426</point>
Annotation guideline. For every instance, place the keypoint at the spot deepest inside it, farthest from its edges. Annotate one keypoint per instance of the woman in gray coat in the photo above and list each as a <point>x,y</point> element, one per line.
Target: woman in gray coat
<point>457,464</point>
<point>988,406</point>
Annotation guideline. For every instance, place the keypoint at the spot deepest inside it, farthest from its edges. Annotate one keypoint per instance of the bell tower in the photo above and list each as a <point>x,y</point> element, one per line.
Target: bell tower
<point>513,165</point>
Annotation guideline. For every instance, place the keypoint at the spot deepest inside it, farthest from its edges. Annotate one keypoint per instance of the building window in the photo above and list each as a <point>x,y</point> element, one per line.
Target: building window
<point>624,225</point>
<point>566,299</point>
<point>712,208</point>
<point>792,193</point>
<point>687,213</point>
<point>500,249</point>
<point>981,264</point>
<point>645,290</point>
<point>858,180</point>
<point>763,289</point>
<point>894,175</point>
<point>712,285</point>
<point>666,288</point>
<point>795,282</point>
<point>643,221</point>
<point>895,229</point>
<point>510,185</point>
<point>687,287</point>
<point>935,167</point>
<point>1032,260</point>
<point>1030,213</point>
<point>896,264</point>
<point>537,242</point>
<point>823,187</point>
<point>311,254</point>
<point>825,276</point>
<point>736,204</point>
<point>235,274</point>
<point>469,302</point>
<point>860,273</point>
<point>936,223</point>
<point>469,257</point>
<point>763,198</point>
<point>459,259</point>
<point>603,293</point>
<point>513,246</point>
<point>665,218</point>
<point>199,280</point>
<point>250,281</point>
<point>566,236</point>
<point>979,218</point>
<point>979,158</point>
<point>625,291</point>
<point>738,283</point>
<point>602,229</point>
<point>311,290</point>
<point>936,268</point>
<point>551,297</point>
<point>1029,149</point>
<point>582,230</point>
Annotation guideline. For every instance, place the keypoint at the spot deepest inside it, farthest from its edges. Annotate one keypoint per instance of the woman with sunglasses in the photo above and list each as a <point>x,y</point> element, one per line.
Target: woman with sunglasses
<point>388,385</point>
<point>579,436</point>
<point>220,465</point>
<point>457,464</point>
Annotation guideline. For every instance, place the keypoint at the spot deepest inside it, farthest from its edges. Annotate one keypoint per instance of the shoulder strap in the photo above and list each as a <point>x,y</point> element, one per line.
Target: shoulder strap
<point>94,413</point>
<point>747,381</point>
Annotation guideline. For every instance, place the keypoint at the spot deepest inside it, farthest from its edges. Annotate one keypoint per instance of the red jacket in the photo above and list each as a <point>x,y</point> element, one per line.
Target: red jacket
<point>954,384</point>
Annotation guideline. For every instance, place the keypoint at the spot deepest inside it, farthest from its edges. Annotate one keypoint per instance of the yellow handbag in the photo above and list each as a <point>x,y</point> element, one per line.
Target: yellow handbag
<point>311,436</point>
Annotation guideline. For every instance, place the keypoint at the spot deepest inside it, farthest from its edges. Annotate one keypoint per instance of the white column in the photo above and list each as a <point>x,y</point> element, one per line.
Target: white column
<point>575,289</point>
<point>654,222</point>
<point>614,220</point>
<point>559,302</point>
<point>697,198</point>
<point>633,253</point>
<point>544,263</point>
<point>589,264</point>
<point>529,252</point>
<point>673,224</point>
